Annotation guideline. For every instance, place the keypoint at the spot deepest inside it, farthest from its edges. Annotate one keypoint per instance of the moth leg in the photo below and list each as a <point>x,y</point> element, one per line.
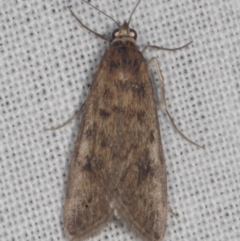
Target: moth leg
<point>163,101</point>
<point>171,211</point>
<point>162,48</point>
<point>83,25</point>
<point>66,122</point>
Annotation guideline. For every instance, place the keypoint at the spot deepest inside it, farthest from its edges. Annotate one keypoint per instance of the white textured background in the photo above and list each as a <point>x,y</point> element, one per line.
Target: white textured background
<point>47,65</point>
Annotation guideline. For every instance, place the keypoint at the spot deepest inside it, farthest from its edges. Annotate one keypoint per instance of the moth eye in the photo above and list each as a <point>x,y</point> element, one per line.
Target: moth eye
<point>115,33</point>
<point>133,33</point>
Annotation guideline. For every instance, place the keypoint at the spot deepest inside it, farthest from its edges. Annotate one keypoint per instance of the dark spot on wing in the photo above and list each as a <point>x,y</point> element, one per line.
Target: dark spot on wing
<point>88,133</point>
<point>87,166</point>
<point>91,132</point>
<point>136,65</point>
<point>103,113</point>
<point>151,136</point>
<point>93,164</point>
<point>141,116</point>
<point>103,143</point>
<point>117,109</point>
<point>144,167</point>
<point>112,66</point>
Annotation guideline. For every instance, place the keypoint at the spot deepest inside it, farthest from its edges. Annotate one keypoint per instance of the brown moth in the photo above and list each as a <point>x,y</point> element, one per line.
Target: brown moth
<point>118,165</point>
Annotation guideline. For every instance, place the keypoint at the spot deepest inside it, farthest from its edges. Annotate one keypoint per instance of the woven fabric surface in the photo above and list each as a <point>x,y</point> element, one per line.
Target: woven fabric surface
<point>47,64</point>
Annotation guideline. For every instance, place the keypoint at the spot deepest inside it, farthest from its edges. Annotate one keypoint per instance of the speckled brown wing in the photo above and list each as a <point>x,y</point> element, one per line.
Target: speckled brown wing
<point>118,164</point>
<point>137,176</point>
<point>87,207</point>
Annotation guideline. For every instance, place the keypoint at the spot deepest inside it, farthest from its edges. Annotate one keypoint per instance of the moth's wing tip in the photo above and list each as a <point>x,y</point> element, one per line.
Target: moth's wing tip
<point>82,235</point>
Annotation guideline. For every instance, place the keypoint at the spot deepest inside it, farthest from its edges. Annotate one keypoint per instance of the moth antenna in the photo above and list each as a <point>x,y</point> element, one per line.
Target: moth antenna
<point>133,11</point>
<point>102,13</point>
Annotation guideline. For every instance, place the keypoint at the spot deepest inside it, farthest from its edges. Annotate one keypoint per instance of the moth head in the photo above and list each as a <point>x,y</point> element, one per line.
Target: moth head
<point>124,32</point>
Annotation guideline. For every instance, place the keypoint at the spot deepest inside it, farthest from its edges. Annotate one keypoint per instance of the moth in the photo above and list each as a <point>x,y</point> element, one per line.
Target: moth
<point>118,165</point>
